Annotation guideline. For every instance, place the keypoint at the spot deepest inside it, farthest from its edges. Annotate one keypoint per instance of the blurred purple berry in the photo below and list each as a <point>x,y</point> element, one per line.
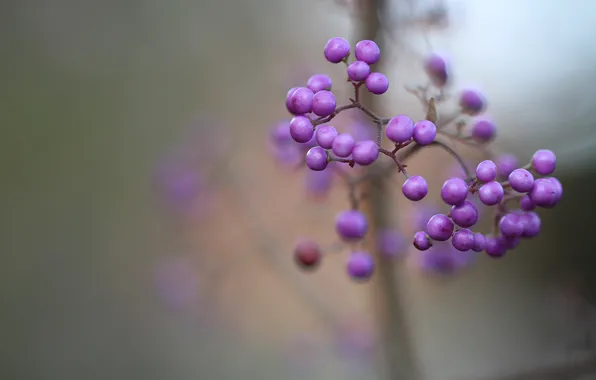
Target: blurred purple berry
<point>495,247</point>
<point>436,69</point>
<point>506,163</point>
<point>483,130</point>
<point>526,204</point>
<point>390,243</point>
<point>360,265</point>
<point>351,224</point>
<point>531,223</point>
<point>325,136</point>
<point>479,242</point>
<point>510,225</point>
<point>472,102</point>
<point>319,82</point>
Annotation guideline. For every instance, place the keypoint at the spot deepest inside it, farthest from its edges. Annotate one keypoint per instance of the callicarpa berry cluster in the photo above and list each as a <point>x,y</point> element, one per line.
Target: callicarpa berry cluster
<point>513,191</point>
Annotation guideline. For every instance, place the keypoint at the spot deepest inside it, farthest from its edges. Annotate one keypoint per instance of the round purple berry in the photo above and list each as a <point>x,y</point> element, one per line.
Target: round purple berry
<point>486,171</point>
<point>547,192</point>
<point>377,83</point>
<point>421,241</point>
<point>360,266</point>
<point>544,161</point>
<point>425,132</point>
<point>301,129</point>
<point>526,204</point>
<point>463,240</point>
<point>365,152</point>
<point>301,100</point>
<point>390,243</point>
<point>319,82</point>
<point>400,129</point>
<point>439,227</point>
<point>510,225</point>
<point>336,50</point>
<point>521,180</point>
<point>531,223</point>
<point>318,183</point>
<point>483,131</point>
<point>415,188</point>
<point>342,145</point>
<point>358,71</point>
<point>454,191</point>
<point>465,215</point>
<point>316,158</point>
<point>325,136</point>
<point>289,105</point>
<point>509,242</point>
<point>491,193</point>
<point>472,102</point>
<point>436,69</point>
<point>367,51</point>
<point>479,242</point>
<point>323,103</point>
<point>495,247</point>
<point>351,224</point>
<point>506,163</point>
<point>280,134</point>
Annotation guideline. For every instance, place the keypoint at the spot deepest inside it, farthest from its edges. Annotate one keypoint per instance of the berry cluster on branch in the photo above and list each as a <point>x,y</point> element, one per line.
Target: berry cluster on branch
<point>514,192</point>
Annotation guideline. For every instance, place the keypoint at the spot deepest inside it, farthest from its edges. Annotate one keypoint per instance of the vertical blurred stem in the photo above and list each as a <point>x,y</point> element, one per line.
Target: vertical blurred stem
<point>399,357</point>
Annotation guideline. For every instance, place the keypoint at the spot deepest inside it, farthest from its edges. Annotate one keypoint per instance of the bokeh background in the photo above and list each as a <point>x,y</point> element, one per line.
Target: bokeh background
<point>148,229</point>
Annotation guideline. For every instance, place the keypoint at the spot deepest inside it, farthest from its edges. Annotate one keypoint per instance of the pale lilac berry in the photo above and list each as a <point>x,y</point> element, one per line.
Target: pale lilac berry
<point>491,193</point>
<point>351,224</point>
<point>422,241</point>
<point>544,161</point>
<point>479,242</point>
<point>316,158</point>
<point>400,129</point>
<point>510,225</point>
<point>377,83</point>
<point>526,204</point>
<point>437,70</point>
<point>506,163</point>
<point>343,144</point>
<point>495,247</point>
<point>415,188</point>
<point>463,240</point>
<point>301,100</point>
<point>336,50</point>
<point>301,129</point>
<point>323,103</point>
<point>360,265</point>
<point>425,132</point>
<point>358,71</point>
<point>486,171</point>
<point>521,180</point>
<point>367,51</point>
<point>454,191</point>
<point>472,102</point>
<point>365,152</point>
<point>483,130</point>
<point>465,215</point>
<point>325,136</point>
<point>439,227</point>
<point>547,192</point>
<point>319,82</point>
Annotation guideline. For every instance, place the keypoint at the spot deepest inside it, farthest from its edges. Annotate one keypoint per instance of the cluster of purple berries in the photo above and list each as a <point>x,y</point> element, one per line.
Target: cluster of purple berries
<point>494,184</point>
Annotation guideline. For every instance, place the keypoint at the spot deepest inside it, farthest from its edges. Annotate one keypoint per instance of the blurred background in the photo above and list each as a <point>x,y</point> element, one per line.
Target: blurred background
<point>149,226</point>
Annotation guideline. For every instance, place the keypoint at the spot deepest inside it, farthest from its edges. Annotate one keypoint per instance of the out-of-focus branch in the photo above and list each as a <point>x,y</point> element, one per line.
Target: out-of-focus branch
<point>565,371</point>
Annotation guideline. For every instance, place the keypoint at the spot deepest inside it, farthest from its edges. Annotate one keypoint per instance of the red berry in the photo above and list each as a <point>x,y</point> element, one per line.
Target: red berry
<point>307,254</point>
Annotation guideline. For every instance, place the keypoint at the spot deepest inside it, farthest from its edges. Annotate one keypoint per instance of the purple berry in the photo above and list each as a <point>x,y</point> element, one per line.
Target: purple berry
<point>463,240</point>
<point>454,191</point>
<point>526,204</point>
<point>323,103</point>
<point>437,70</point>
<point>439,227</point>
<point>360,265</point>
<point>351,224</point>
<point>325,136</point>
<point>421,241</point>
<point>472,102</point>
<point>415,188</point>
<point>318,183</point>
<point>289,105</point>
<point>495,247</point>
<point>483,131</point>
<point>280,135</point>
<point>358,71</point>
<point>425,132</point>
<point>547,192</point>
<point>506,163</point>
<point>301,100</point>
<point>465,215</point>
<point>390,243</point>
<point>486,171</point>
<point>307,254</point>
<point>400,129</point>
<point>521,180</point>
<point>316,158</point>
<point>377,83</point>
<point>479,242</point>
<point>510,225</point>
<point>301,129</point>
<point>342,145</point>
<point>544,161</point>
<point>365,152</point>
<point>319,82</point>
<point>509,242</point>
<point>491,193</point>
<point>367,51</point>
<point>531,223</point>
<point>336,50</point>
